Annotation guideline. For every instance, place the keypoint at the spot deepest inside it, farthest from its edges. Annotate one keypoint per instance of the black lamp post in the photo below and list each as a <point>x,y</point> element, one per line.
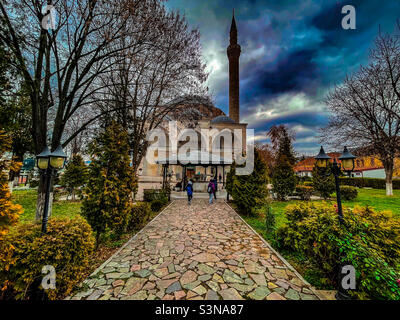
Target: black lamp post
<point>49,162</point>
<point>347,164</point>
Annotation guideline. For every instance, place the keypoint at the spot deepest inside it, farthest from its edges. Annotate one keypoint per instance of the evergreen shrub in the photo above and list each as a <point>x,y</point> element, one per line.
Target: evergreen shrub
<point>140,215</point>
<point>348,193</point>
<point>66,246</point>
<point>368,240</point>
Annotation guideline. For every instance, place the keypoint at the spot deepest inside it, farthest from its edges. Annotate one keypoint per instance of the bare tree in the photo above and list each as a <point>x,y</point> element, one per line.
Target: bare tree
<point>385,58</point>
<point>80,141</point>
<point>149,84</point>
<point>365,112</point>
<point>61,66</point>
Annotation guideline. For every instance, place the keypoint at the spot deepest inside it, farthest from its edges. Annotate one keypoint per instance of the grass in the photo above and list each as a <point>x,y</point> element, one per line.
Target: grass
<point>375,198</point>
<point>110,242</point>
<point>371,197</point>
<point>27,199</point>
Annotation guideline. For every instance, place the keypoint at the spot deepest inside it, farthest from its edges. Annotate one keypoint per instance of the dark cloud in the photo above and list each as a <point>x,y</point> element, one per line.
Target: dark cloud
<point>294,72</point>
<point>310,120</point>
<point>288,47</point>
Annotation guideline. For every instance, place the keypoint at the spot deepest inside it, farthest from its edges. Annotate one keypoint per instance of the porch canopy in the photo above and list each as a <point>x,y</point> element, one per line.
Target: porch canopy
<point>194,158</point>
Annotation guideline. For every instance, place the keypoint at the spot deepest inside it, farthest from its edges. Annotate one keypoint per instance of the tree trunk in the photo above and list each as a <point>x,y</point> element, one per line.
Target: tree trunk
<point>389,177</point>
<point>10,186</point>
<point>41,197</point>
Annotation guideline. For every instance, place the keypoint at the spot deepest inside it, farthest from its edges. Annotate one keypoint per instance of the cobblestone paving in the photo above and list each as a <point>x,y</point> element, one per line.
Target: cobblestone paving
<point>195,252</point>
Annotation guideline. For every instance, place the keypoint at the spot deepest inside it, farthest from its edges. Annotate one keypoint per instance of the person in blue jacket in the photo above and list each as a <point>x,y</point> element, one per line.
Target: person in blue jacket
<point>189,190</point>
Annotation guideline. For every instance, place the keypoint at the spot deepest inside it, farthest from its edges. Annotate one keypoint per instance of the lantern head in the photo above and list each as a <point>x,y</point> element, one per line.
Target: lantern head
<point>322,159</point>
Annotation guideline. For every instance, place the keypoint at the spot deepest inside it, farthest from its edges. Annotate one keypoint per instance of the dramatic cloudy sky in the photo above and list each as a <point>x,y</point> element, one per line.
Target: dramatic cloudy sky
<point>293,52</point>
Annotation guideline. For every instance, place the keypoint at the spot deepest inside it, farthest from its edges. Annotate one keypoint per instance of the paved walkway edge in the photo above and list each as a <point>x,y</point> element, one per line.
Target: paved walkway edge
<point>277,254</point>
<point>128,242</point>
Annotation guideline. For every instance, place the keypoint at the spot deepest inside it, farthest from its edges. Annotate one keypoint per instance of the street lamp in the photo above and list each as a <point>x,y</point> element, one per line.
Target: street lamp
<point>322,158</point>
<point>347,164</point>
<point>347,160</point>
<point>49,162</point>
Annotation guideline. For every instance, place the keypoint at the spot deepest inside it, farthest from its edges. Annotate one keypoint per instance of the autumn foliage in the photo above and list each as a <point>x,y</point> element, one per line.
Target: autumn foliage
<point>9,212</point>
<point>66,246</point>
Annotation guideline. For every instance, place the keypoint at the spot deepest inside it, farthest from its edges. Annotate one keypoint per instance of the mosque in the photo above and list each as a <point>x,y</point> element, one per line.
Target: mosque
<point>203,164</point>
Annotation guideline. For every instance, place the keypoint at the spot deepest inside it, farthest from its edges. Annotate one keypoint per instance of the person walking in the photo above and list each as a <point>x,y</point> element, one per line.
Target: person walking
<point>215,188</point>
<point>211,190</point>
<point>189,190</point>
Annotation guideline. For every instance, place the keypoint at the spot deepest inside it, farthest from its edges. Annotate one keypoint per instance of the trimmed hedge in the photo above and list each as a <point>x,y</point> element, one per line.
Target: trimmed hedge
<point>368,240</point>
<point>140,215</point>
<point>373,183</point>
<point>158,198</point>
<point>150,195</point>
<point>348,193</point>
<point>158,204</point>
<point>67,247</point>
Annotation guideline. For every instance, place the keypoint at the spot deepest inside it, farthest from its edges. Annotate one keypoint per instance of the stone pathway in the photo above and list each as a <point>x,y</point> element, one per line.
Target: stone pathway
<point>196,252</point>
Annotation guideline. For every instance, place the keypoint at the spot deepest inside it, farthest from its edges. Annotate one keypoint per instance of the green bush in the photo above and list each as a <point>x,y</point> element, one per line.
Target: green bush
<point>368,240</point>
<point>308,183</point>
<point>378,278</point>
<point>304,192</point>
<point>309,225</point>
<point>150,195</point>
<point>33,182</point>
<point>67,247</point>
<point>283,179</point>
<point>75,176</point>
<point>250,191</point>
<point>108,195</point>
<point>157,198</point>
<point>158,204</point>
<point>140,215</point>
<point>373,183</point>
<point>348,193</point>
<point>270,221</point>
<point>323,183</point>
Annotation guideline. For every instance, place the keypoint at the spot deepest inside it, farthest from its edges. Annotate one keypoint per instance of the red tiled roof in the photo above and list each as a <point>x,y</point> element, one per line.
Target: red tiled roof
<point>361,164</point>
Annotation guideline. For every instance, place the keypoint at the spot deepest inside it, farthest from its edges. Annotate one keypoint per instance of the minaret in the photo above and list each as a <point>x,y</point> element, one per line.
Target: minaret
<point>233,52</point>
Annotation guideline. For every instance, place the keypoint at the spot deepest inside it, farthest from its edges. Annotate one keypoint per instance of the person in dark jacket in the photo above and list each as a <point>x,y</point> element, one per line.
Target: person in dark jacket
<point>189,190</point>
<point>211,191</point>
<point>215,188</point>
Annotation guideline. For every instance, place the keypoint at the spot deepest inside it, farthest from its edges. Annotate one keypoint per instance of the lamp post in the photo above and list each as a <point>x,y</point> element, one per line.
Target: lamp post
<point>48,162</point>
<point>347,164</point>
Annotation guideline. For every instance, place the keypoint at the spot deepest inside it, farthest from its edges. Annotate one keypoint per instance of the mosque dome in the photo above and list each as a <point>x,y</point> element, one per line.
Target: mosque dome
<point>222,119</point>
